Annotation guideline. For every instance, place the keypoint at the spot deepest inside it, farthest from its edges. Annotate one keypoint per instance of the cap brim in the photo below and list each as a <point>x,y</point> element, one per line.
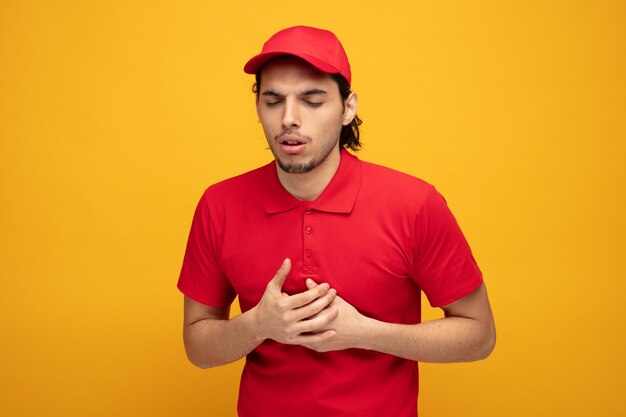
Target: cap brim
<point>254,65</point>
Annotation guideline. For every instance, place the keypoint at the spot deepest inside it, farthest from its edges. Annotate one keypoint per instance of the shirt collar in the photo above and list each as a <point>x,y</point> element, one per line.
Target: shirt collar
<point>338,196</point>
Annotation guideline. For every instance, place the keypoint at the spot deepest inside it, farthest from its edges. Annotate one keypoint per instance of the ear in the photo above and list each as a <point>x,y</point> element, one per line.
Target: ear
<point>350,107</point>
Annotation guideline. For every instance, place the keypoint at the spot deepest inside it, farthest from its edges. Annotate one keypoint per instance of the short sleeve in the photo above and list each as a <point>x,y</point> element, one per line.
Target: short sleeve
<point>444,267</point>
<point>201,277</point>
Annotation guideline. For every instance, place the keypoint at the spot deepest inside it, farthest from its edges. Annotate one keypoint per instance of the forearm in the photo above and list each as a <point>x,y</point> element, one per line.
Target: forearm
<point>450,339</point>
<point>211,339</point>
<point>214,342</point>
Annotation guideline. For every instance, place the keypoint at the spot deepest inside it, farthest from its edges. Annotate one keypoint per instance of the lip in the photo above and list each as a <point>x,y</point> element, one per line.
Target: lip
<point>291,144</point>
<point>292,149</point>
<point>291,138</point>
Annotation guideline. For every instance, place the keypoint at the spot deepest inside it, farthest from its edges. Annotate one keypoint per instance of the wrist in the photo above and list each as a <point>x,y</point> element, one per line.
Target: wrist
<point>253,326</point>
<point>369,334</point>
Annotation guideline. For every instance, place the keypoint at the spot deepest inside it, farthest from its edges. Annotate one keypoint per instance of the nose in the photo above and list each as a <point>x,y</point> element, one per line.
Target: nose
<point>291,117</point>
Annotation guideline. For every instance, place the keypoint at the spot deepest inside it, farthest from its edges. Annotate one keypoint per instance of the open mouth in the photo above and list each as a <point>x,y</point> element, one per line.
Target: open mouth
<point>291,143</point>
<point>291,140</point>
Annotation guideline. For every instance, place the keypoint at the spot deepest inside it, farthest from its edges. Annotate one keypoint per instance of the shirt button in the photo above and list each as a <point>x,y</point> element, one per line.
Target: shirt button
<point>308,212</point>
<point>308,230</point>
<point>308,253</point>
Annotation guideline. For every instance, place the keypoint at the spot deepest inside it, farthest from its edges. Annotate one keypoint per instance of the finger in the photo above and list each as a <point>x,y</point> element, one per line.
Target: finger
<point>309,310</point>
<point>313,339</point>
<point>281,275</point>
<point>310,283</point>
<point>306,297</point>
<point>317,323</point>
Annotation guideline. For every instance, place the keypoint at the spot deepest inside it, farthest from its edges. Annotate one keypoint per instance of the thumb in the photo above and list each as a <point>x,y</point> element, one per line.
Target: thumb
<point>281,274</point>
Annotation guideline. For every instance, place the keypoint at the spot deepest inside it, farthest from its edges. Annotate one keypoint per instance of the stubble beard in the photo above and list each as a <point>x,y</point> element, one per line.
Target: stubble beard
<point>301,168</point>
<point>308,166</point>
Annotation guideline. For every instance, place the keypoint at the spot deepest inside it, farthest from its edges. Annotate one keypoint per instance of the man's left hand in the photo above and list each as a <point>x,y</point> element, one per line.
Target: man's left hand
<point>348,326</point>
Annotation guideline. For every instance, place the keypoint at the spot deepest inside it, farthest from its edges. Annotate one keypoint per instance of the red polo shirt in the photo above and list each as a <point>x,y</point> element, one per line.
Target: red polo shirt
<point>376,235</point>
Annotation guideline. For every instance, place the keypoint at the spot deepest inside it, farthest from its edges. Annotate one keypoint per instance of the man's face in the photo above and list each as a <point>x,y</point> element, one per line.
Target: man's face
<point>302,114</point>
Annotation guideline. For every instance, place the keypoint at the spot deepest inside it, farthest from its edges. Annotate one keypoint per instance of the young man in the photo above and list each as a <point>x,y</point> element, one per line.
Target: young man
<point>336,331</point>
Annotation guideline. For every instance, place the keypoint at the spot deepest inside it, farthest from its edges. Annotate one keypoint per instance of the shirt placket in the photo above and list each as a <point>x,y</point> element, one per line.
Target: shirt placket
<point>310,246</point>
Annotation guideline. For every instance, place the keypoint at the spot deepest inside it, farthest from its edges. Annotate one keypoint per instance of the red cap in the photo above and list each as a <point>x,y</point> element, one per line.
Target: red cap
<point>318,47</point>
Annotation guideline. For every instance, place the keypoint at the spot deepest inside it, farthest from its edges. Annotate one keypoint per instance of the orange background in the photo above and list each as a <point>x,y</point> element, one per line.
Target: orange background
<point>115,115</point>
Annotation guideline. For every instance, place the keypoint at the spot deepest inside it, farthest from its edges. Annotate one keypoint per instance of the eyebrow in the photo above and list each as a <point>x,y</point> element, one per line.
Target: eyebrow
<point>271,93</point>
<point>313,91</point>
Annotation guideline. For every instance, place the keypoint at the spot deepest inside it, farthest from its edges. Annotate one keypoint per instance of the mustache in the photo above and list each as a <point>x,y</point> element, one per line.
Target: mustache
<point>290,132</point>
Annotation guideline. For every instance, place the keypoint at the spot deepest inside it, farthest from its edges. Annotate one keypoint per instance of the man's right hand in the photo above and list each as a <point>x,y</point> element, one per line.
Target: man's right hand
<point>294,319</point>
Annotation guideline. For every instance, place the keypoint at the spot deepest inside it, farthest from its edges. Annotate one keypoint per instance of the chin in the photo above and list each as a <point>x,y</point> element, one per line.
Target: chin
<point>296,168</point>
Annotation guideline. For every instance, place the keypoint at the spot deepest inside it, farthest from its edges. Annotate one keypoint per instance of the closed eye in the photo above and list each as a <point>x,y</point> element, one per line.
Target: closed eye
<point>273,97</point>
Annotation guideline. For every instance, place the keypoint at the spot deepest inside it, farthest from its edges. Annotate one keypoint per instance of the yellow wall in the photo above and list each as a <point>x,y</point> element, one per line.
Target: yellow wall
<point>115,115</point>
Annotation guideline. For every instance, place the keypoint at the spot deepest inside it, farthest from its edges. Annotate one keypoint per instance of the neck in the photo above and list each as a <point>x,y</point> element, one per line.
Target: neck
<point>308,186</point>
